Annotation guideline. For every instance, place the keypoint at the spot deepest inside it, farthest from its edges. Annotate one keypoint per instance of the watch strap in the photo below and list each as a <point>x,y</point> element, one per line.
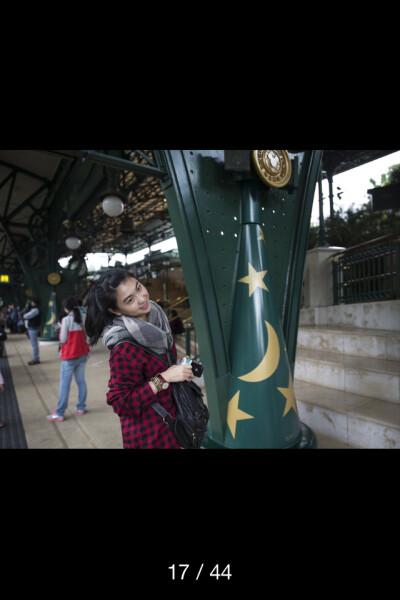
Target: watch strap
<point>157,382</point>
<point>160,376</point>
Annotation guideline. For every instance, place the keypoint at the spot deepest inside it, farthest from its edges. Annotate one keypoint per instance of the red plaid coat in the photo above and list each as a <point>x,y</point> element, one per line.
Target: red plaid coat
<point>131,396</point>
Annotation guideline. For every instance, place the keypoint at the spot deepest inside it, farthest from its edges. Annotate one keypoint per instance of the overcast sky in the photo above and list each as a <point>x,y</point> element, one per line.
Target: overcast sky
<point>354,185</point>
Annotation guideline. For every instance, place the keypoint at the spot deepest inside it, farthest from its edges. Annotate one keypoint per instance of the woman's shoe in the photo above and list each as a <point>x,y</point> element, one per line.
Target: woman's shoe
<point>55,417</point>
<point>33,362</point>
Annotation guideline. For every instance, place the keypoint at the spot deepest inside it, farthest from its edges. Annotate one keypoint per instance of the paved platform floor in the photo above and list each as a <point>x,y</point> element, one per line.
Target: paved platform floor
<point>36,389</point>
<point>37,386</point>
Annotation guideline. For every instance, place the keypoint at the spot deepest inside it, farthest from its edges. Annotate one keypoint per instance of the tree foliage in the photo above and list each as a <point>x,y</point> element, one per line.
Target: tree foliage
<point>354,226</point>
<point>389,178</point>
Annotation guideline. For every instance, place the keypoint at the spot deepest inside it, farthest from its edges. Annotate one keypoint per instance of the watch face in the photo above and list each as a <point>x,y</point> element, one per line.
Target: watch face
<point>164,383</point>
<point>160,384</point>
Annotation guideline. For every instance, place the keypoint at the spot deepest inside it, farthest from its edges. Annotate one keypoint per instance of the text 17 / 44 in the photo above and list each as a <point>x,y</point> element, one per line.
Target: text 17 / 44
<point>179,572</point>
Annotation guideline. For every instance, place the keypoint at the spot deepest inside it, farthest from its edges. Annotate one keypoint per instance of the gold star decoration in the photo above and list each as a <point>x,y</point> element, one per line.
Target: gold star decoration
<point>261,237</point>
<point>290,398</point>
<point>235,414</point>
<point>254,280</point>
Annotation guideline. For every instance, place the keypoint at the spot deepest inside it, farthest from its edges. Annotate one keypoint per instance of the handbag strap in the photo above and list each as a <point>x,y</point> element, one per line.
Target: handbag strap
<point>166,417</point>
<point>146,349</point>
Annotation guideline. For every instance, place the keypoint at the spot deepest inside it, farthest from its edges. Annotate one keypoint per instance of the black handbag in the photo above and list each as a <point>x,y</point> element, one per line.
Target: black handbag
<point>190,424</point>
<point>192,416</point>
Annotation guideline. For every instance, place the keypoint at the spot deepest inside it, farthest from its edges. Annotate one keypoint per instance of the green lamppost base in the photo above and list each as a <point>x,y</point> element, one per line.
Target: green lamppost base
<point>50,328</point>
<point>307,441</point>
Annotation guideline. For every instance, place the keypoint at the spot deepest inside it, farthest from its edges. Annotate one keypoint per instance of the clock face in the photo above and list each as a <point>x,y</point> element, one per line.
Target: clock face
<point>273,166</point>
<point>53,278</point>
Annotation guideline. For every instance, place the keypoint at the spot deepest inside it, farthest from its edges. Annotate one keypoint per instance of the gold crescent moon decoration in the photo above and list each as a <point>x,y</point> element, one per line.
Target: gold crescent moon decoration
<point>270,360</point>
<point>273,166</point>
<point>51,320</point>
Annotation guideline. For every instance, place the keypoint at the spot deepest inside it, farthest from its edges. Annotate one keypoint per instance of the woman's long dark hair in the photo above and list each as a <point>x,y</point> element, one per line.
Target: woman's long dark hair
<point>100,298</point>
<point>71,304</point>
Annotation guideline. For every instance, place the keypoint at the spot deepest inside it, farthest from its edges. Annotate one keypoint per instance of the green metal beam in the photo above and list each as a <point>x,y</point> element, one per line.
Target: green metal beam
<point>24,172</point>
<point>118,163</point>
<point>26,203</point>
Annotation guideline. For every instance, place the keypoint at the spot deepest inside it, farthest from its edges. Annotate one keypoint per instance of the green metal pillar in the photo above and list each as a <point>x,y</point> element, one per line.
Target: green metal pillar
<point>262,410</point>
<point>242,245</point>
<point>322,237</point>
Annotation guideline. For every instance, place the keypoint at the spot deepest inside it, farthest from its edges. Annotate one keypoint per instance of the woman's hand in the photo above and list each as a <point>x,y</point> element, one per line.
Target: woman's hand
<point>178,373</point>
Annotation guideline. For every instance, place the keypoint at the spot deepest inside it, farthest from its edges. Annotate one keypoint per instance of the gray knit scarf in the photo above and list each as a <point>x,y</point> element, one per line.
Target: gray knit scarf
<point>155,333</point>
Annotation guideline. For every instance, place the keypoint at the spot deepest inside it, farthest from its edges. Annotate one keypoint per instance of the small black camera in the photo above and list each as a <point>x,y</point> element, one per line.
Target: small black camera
<point>197,369</point>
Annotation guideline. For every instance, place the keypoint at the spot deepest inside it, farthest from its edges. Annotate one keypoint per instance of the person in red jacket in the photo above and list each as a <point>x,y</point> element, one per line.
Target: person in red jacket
<point>74,352</point>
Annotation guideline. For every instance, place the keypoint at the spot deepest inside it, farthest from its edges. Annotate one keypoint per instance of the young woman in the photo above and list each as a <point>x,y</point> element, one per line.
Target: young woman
<point>74,353</point>
<point>119,308</point>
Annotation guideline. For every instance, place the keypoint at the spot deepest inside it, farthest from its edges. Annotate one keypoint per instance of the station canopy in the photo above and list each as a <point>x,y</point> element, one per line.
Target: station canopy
<point>47,194</point>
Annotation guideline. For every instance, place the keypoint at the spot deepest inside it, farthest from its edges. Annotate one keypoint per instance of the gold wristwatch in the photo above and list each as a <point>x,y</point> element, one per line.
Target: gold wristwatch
<point>159,382</point>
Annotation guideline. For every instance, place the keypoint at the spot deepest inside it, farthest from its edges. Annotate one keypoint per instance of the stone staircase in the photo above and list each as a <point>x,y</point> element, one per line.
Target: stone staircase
<point>347,373</point>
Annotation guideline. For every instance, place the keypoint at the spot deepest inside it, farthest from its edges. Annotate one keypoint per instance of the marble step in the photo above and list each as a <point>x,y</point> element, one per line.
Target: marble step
<point>370,377</point>
<point>368,315</point>
<point>325,442</point>
<point>342,419</point>
<point>370,343</point>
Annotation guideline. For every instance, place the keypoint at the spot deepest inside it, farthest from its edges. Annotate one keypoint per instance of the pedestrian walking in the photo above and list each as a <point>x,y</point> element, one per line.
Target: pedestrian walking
<point>74,352</point>
<point>33,319</point>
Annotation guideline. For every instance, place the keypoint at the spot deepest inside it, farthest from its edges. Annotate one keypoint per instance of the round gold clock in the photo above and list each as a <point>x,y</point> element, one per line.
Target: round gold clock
<point>273,166</point>
<point>53,278</point>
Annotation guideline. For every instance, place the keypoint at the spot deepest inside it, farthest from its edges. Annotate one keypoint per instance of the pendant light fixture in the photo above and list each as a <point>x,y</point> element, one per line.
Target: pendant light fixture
<point>73,242</point>
<point>113,199</point>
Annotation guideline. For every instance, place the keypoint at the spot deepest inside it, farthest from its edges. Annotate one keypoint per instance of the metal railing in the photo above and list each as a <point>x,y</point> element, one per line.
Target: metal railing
<point>185,311</point>
<point>188,338</point>
<point>367,272</point>
<point>187,342</point>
